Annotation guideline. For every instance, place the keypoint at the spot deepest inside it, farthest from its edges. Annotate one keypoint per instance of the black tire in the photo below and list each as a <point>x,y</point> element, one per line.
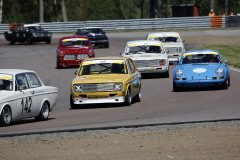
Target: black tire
<point>107,45</point>
<point>175,87</point>
<point>229,81</point>
<point>167,74</point>
<point>11,42</point>
<point>29,41</point>
<point>44,113</point>
<point>138,96</point>
<point>226,83</point>
<point>48,41</point>
<point>72,105</point>
<point>128,98</point>
<point>58,66</point>
<point>6,116</point>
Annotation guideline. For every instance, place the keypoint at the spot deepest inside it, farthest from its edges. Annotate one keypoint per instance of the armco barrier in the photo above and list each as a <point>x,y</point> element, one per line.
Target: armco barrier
<point>132,24</point>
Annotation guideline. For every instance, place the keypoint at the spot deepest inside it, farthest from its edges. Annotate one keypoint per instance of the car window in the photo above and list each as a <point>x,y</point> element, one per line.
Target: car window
<point>167,39</point>
<point>143,49</point>
<point>75,42</point>
<point>131,66</point>
<point>33,80</point>
<point>21,82</point>
<point>103,68</point>
<point>6,82</point>
<point>201,58</point>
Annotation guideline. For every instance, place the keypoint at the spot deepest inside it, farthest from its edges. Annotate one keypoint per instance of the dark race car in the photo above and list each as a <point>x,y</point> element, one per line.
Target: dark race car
<point>73,50</point>
<point>27,33</point>
<point>96,35</point>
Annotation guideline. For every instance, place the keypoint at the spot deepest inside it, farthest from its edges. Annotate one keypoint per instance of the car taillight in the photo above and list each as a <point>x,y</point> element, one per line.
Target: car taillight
<point>61,53</point>
<point>90,53</point>
<point>162,62</point>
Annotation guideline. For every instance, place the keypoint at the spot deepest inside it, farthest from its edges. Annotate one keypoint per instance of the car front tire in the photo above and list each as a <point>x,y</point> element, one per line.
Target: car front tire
<point>128,98</point>
<point>175,87</point>
<point>6,116</point>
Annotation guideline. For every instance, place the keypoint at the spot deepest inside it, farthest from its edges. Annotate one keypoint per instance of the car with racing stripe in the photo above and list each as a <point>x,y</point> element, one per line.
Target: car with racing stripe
<point>23,95</point>
<point>201,68</point>
<point>149,56</point>
<point>106,80</point>
<point>172,42</point>
<point>72,50</point>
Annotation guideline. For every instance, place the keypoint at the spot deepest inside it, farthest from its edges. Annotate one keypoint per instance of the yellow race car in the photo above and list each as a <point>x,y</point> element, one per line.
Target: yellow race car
<point>106,80</point>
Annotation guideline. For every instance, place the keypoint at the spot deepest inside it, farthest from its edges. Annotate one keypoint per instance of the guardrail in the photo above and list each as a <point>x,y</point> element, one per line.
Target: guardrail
<point>131,24</point>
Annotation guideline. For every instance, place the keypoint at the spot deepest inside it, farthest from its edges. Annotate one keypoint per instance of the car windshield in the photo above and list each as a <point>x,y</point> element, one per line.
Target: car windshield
<point>75,42</point>
<point>6,82</point>
<point>103,68</point>
<point>143,49</point>
<point>201,58</point>
<point>34,28</point>
<point>167,39</point>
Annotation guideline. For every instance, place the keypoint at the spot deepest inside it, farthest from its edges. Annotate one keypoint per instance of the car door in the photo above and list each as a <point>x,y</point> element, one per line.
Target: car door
<point>135,77</point>
<point>37,92</point>
<point>24,96</point>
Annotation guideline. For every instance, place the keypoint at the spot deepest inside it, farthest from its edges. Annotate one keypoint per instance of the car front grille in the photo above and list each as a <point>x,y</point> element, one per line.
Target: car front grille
<point>99,87</point>
<point>172,50</point>
<point>97,38</point>
<point>82,56</point>
<point>69,57</point>
<point>146,63</point>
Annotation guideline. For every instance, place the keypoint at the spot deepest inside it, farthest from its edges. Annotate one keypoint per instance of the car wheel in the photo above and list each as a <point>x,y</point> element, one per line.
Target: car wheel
<point>29,41</point>
<point>226,84</point>
<point>48,41</point>
<point>128,98</point>
<point>6,116</point>
<point>229,81</point>
<point>175,87</point>
<point>44,113</point>
<point>167,74</point>
<point>138,97</point>
<point>107,45</point>
<point>72,105</point>
<point>11,42</point>
<point>58,66</point>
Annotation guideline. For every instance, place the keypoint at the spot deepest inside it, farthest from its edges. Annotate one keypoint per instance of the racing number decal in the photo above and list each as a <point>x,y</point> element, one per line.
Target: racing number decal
<point>26,104</point>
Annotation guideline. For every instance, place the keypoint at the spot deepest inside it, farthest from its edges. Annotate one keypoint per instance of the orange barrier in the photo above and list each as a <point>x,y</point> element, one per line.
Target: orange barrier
<point>216,22</point>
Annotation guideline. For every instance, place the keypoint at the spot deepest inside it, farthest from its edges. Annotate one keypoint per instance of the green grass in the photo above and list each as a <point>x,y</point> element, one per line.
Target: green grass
<point>231,53</point>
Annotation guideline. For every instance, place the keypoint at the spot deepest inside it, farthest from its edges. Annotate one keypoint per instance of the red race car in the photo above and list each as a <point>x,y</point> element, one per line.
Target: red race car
<point>73,50</point>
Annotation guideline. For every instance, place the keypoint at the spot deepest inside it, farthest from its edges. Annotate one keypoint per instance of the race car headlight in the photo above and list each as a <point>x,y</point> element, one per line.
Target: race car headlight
<point>219,71</point>
<point>77,87</point>
<point>118,86</point>
<point>34,34</point>
<point>180,50</point>
<point>179,72</point>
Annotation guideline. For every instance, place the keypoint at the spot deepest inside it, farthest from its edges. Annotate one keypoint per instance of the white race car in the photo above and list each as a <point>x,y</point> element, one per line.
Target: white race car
<point>23,95</point>
<point>148,56</point>
<point>171,42</point>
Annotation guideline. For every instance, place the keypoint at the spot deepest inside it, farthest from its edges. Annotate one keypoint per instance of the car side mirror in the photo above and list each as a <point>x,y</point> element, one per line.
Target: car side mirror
<point>76,72</point>
<point>121,53</point>
<point>226,61</point>
<point>22,87</point>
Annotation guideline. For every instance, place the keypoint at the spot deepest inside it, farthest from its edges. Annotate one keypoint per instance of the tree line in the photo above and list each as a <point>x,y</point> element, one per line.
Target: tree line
<point>32,11</point>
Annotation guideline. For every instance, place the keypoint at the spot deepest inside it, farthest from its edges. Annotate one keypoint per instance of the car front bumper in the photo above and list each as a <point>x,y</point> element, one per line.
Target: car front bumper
<point>163,69</point>
<point>199,83</point>
<point>119,99</point>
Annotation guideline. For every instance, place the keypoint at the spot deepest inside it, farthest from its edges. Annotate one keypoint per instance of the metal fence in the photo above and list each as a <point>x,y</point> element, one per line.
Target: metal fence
<point>131,24</point>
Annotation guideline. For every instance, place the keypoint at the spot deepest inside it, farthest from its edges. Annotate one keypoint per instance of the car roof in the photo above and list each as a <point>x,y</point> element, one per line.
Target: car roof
<point>164,34</point>
<point>202,51</point>
<point>108,58</point>
<point>15,71</point>
<point>69,37</point>
<point>145,42</point>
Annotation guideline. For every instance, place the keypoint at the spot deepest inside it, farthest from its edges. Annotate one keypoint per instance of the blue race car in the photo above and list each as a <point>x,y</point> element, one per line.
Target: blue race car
<point>201,68</point>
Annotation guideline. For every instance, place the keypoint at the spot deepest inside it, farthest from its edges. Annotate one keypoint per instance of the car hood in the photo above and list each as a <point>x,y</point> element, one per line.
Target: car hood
<point>147,56</point>
<point>100,78</point>
<point>75,49</point>
<point>200,70</point>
